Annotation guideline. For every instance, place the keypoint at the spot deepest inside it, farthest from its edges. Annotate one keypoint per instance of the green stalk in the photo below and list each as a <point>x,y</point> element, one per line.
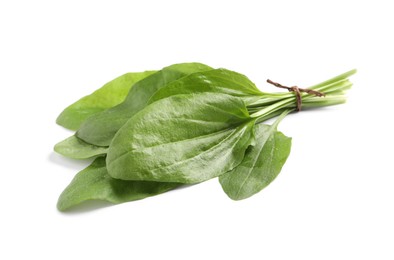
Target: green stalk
<point>273,104</point>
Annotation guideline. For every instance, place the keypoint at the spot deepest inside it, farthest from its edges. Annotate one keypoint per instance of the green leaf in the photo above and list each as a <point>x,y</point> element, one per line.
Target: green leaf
<point>184,138</point>
<point>109,95</point>
<point>99,129</point>
<point>261,164</point>
<point>216,80</point>
<point>94,183</point>
<point>75,148</point>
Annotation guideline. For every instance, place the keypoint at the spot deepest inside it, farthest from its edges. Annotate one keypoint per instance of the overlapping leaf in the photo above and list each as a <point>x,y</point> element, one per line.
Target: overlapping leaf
<point>261,164</point>
<point>99,129</point>
<point>184,138</point>
<point>214,81</point>
<point>109,95</point>
<point>75,148</point>
<point>94,183</point>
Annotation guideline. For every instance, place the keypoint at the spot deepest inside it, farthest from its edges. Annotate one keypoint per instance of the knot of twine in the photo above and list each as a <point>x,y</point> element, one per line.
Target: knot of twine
<point>297,91</point>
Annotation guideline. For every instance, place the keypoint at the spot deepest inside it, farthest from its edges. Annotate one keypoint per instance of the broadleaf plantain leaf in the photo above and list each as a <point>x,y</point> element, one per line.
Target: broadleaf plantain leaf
<point>216,81</point>
<point>100,128</point>
<point>184,138</point>
<point>75,148</point>
<point>109,95</point>
<point>260,166</point>
<point>94,183</point>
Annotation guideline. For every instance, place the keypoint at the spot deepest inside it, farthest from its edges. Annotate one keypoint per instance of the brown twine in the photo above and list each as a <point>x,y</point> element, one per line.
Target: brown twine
<point>297,91</point>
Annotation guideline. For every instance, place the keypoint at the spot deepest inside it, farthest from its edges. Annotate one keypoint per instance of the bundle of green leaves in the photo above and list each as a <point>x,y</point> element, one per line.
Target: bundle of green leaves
<point>154,131</point>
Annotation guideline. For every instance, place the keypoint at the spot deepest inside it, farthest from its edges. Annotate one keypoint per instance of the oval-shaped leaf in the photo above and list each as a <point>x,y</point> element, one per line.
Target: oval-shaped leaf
<point>94,183</point>
<point>75,148</point>
<point>99,129</point>
<point>216,81</point>
<point>260,166</point>
<point>183,138</point>
<point>109,95</point>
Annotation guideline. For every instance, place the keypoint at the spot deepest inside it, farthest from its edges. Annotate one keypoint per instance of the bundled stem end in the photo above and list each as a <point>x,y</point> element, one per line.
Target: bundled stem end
<point>327,93</point>
<point>297,91</point>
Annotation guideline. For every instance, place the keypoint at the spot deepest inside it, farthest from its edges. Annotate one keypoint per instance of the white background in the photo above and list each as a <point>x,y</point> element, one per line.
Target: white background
<point>334,197</point>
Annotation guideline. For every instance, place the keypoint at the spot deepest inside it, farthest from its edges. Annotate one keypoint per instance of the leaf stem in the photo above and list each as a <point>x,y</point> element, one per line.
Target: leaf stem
<point>274,104</point>
<point>280,117</point>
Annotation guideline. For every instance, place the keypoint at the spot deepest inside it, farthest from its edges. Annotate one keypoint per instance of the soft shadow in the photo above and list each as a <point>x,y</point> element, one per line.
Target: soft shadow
<point>69,163</point>
<point>86,207</point>
<point>184,186</point>
<point>94,205</point>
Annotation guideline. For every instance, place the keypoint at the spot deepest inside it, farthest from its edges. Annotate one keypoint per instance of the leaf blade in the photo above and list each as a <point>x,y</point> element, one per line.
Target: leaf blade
<point>161,144</point>
<point>216,81</point>
<point>261,165</point>
<point>99,129</point>
<point>75,148</point>
<point>94,183</point>
<point>109,95</point>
